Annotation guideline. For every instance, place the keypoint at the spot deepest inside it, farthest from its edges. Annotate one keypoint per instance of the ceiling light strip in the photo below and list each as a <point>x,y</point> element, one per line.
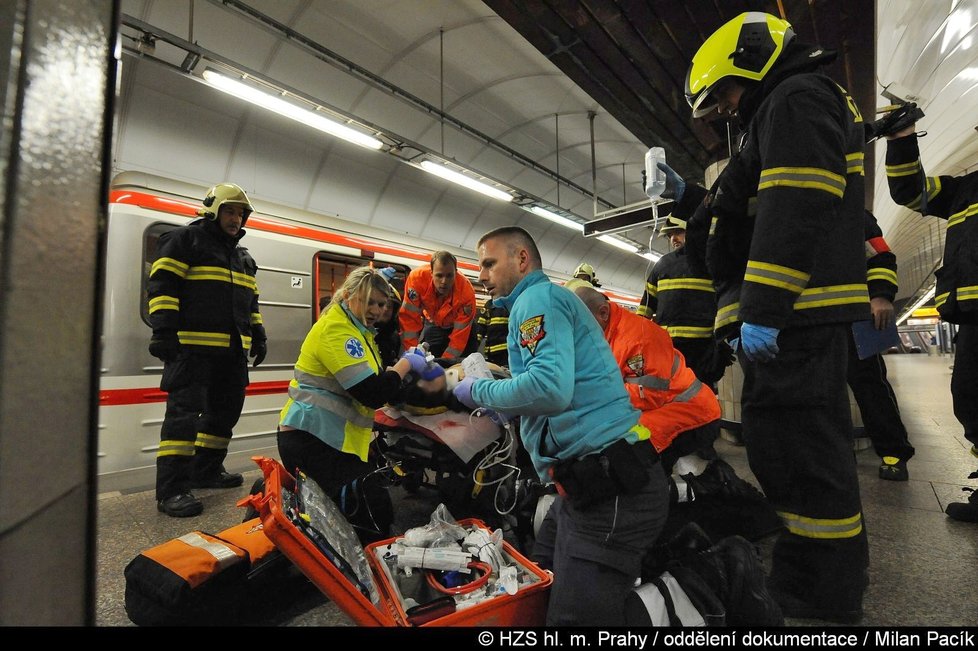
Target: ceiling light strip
<point>466,181</point>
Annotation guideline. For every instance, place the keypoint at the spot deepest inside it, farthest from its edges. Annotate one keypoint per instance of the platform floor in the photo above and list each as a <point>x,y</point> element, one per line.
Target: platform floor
<point>923,565</point>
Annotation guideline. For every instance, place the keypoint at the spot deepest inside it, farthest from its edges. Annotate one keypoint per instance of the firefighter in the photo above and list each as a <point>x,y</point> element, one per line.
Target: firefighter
<point>489,333</point>
<point>438,307</point>
<point>586,273</point>
<point>787,253</point>
<point>954,198</point>
<point>867,377</point>
<point>203,308</point>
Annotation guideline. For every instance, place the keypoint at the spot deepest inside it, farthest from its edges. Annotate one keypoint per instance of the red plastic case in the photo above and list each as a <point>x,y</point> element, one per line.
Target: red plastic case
<point>526,608</point>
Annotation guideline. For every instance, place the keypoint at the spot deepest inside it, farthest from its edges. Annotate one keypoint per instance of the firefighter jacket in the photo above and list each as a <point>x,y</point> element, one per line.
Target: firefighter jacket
<point>561,366</point>
<point>881,265</point>
<point>203,286</point>
<point>337,353</point>
<point>657,379</point>
<point>954,198</point>
<point>422,304</point>
<point>683,304</point>
<point>786,241</point>
<point>490,330</point>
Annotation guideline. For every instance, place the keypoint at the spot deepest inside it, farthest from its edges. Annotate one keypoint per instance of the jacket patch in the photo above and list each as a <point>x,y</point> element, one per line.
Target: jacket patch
<point>466,310</point>
<point>413,295</point>
<point>636,364</point>
<point>354,348</point>
<point>532,333</point>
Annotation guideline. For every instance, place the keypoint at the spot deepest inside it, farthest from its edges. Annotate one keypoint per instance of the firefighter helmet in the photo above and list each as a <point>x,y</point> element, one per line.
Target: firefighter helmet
<point>225,193</point>
<point>745,47</point>
<point>672,225</point>
<point>586,272</point>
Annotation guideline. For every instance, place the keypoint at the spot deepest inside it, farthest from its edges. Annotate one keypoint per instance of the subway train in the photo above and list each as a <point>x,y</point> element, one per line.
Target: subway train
<point>301,258</point>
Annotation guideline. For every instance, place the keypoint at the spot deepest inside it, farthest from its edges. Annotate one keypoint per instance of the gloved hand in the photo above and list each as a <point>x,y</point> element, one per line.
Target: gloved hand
<point>760,342</point>
<point>416,357</point>
<point>388,273</point>
<point>164,345</point>
<point>463,392</point>
<point>675,185</point>
<point>727,353</point>
<point>258,350</point>
<point>432,371</point>
<point>497,417</point>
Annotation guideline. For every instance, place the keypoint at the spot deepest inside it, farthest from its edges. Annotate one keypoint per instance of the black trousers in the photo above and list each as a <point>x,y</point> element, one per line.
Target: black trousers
<point>877,404</point>
<point>700,355</point>
<point>798,433</point>
<point>964,381</point>
<point>205,394</point>
<point>327,466</point>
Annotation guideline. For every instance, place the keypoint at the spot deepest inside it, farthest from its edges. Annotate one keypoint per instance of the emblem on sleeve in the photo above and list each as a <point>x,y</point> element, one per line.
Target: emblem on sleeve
<point>532,333</point>
<point>354,348</point>
<point>412,295</point>
<point>636,364</point>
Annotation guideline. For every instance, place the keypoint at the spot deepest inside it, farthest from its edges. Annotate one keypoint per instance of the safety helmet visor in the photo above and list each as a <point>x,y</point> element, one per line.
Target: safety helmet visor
<point>744,47</point>
<point>226,193</point>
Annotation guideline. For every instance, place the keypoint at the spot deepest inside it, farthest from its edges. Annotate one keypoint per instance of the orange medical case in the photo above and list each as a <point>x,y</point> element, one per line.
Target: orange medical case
<point>526,608</point>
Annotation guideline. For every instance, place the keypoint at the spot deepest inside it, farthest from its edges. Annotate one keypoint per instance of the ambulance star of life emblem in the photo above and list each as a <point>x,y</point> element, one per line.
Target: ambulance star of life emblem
<point>532,333</point>
<point>354,348</point>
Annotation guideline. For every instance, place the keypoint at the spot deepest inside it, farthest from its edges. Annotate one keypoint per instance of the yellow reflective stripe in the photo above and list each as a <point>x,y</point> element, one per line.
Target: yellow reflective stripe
<point>173,447</point>
<point>256,318</point>
<point>832,295</point>
<point>169,264</point>
<point>188,337</point>
<point>641,432</point>
<point>727,315</point>
<point>499,320</point>
<point>959,217</point>
<point>496,348</point>
<point>940,299</point>
<point>245,280</point>
<point>246,342</point>
<point>803,177</point>
<point>713,225</point>
<point>651,289</point>
<point>690,332</point>
<point>855,163</point>
<point>822,528</point>
<point>643,310</point>
<point>882,273</point>
<point>211,442</point>
<point>933,189</point>
<point>700,284</point>
<point>969,293</point>
<point>163,303</point>
<point>775,275</point>
<point>903,169</point>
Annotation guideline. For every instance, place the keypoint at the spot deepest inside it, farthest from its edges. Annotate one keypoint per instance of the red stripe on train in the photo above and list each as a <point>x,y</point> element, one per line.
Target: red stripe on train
<point>117,397</point>
<point>177,207</point>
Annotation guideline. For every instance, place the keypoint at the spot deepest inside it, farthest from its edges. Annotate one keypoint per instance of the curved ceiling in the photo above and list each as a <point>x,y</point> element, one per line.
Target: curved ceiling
<point>519,92</point>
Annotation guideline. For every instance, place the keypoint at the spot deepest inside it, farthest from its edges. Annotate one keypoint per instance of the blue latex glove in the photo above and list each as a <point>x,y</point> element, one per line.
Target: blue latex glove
<point>497,417</point>
<point>675,185</point>
<point>419,363</point>
<point>432,371</point>
<point>463,391</point>
<point>388,273</point>
<point>760,343</point>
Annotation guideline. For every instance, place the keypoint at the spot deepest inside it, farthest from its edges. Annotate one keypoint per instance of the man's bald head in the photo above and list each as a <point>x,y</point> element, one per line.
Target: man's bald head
<point>596,302</point>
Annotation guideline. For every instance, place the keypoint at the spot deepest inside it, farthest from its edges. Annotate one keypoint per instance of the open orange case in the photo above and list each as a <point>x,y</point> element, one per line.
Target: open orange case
<point>526,608</point>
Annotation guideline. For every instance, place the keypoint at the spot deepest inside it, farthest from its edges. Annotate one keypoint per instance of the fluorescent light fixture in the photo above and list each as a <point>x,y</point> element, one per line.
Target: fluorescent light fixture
<point>929,294</point>
<point>457,177</point>
<point>306,116</point>
<point>650,255</point>
<point>557,219</point>
<point>624,246</point>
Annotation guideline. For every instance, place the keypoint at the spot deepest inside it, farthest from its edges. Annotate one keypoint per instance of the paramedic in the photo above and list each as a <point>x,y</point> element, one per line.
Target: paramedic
<point>579,430</point>
<point>203,308</point>
<point>790,261</point>
<point>325,427</point>
<point>681,413</point>
<point>442,301</point>
<point>954,198</point>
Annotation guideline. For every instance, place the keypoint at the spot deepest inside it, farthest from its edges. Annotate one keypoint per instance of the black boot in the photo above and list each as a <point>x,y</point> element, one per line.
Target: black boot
<point>688,541</point>
<point>965,511</point>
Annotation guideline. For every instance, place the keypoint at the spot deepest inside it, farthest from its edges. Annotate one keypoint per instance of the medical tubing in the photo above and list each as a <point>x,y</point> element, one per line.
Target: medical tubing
<point>466,588</point>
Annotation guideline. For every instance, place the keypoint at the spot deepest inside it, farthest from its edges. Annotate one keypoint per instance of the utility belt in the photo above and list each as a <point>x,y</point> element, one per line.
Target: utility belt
<point>619,469</point>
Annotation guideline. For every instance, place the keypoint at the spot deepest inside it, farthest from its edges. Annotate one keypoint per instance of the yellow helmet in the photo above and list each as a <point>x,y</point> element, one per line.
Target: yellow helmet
<point>584,269</point>
<point>672,225</point>
<point>221,194</point>
<point>746,47</point>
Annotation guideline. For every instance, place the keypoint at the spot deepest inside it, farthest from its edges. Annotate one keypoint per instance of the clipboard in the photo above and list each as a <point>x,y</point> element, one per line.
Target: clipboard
<point>870,341</point>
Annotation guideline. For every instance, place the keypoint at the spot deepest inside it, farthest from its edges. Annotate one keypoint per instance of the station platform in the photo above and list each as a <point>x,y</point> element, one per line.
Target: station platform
<point>923,565</point>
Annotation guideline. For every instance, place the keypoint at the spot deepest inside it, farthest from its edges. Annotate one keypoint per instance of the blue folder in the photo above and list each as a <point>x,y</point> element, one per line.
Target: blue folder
<point>870,341</point>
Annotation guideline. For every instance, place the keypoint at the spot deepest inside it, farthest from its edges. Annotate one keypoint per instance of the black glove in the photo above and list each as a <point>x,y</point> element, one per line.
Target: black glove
<point>258,350</point>
<point>164,345</point>
<point>896,120</point>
